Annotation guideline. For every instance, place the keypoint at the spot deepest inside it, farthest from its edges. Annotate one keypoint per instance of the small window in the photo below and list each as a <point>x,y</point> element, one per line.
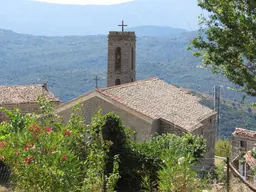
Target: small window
<point>210,120</point>
<point>118,82</point>
<point>118,59</point>
<point>132,55</point>
<point>243,144</point>
<point>132,80</point>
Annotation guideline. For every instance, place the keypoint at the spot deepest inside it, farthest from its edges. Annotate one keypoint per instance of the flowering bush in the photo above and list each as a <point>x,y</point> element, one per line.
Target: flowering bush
<point>46,155</point>
<point>41,158</point>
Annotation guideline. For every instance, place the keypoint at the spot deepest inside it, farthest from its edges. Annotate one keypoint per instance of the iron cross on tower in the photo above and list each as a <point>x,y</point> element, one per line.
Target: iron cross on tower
<point>123,25</point>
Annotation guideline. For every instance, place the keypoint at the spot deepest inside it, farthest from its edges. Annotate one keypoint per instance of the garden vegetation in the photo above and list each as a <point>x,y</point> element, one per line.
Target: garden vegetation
<point>45,154</point>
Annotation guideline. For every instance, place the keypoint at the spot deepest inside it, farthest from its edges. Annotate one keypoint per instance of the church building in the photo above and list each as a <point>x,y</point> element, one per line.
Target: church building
<point>147,106</point>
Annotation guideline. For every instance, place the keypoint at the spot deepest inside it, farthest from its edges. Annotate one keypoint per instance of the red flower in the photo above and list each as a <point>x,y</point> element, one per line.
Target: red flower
<point>64,158</point>
<point>3,143</point>
<point>26,148</point>
<point>48,129</point>
<point>29,160</point>
<point>34,128</point>
<point>43,149</point>
<point>67,133</point>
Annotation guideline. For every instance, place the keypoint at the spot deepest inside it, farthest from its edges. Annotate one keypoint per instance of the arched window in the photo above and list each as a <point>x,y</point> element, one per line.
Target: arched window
<point>118,82</point>
<point>118,59</point>
<point>132,55</point>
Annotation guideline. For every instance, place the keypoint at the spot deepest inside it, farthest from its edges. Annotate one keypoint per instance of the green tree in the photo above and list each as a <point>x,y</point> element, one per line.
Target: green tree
<point>227,40</point>
<point>174,157</point>
<point>223,148</point>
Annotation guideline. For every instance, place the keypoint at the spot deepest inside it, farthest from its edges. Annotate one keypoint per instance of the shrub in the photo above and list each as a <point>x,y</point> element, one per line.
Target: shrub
<point>40,151</point>
<point>47,155</point>
<point>223,148</point>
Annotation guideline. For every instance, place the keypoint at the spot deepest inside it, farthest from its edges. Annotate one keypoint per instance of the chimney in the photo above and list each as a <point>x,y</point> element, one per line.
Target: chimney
<point>44,86</point>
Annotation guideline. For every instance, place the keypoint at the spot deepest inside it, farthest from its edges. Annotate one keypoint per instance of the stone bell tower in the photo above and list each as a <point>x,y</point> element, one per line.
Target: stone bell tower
<point>121,57</point>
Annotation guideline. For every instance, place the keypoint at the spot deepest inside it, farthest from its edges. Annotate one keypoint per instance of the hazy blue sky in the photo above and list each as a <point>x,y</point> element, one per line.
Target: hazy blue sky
<point>86,2</point>
<point>54,19</point>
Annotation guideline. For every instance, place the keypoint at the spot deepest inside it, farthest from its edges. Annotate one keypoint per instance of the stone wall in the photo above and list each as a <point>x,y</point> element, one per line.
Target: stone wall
<point>236,144</point>
<point>127,42</point>
<point>208,130</point>
<point>143,127</point>
<point>24,107</point>
<point>166,127</point>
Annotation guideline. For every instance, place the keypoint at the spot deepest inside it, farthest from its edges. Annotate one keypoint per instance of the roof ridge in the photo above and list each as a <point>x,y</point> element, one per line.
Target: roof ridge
<point>20,85</point>
<point>128,84</point>
<point>238,128</point>
<point>13,94</point>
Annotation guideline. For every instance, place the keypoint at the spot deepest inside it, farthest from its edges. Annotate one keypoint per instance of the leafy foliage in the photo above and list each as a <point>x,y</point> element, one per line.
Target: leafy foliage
<point>163,144</point>
<point>178,175</point>
<point>223,148</point>
<point>227,40</point>
<point>144,160</point>
<point>132,166</point>
<point>46,155</point>
<point>220,172</point>
<point>165,151</point>
<point>38,153</point>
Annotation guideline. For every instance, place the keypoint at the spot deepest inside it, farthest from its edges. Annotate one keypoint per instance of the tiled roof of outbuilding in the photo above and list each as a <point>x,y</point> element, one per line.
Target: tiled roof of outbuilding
<point>157,99</point>
<point>245,133</point>
<point>23,94</point>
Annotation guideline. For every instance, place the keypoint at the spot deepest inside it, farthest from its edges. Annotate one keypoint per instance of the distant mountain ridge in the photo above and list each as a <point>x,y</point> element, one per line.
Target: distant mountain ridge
<point>157,31</point>
<point>37,18</point>
<point>69,65</point>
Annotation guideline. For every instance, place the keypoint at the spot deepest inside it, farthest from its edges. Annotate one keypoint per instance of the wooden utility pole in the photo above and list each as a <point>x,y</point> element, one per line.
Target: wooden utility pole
<point>228,169</point>
<point>216,90</point>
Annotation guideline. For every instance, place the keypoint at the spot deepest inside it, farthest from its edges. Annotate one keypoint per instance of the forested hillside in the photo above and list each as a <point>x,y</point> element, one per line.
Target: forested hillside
<point>69,65</point>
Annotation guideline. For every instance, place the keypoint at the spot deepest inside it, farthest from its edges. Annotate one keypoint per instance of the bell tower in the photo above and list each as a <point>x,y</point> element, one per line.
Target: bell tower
<point>121,57</point>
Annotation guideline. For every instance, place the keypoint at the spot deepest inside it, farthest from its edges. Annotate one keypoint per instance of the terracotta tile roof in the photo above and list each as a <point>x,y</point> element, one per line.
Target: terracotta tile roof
<point>249,159</point>
<point>245,132</point>
<point>157,99</point>
<point>23,94</point>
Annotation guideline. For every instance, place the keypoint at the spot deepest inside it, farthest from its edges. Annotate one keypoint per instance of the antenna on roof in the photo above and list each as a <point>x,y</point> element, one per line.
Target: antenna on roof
<point>45,86</point>
<point>96,81</point>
